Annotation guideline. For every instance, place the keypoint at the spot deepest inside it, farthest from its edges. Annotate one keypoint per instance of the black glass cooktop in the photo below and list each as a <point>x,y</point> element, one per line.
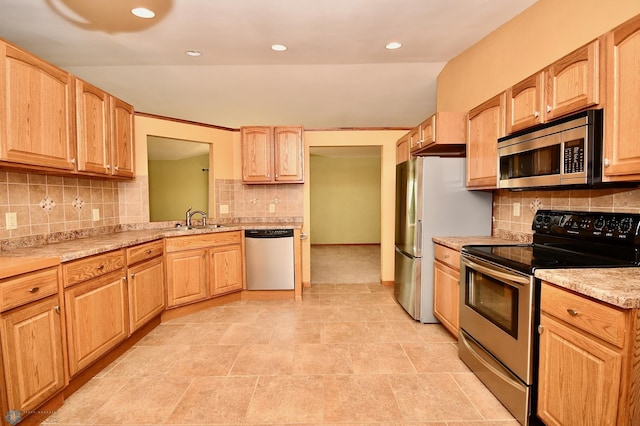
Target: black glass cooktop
<point>528,257</point>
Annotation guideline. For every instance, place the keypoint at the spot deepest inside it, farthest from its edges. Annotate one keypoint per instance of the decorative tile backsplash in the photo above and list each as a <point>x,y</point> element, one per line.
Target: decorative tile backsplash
<point>257,201</point>
<point>508,225</point>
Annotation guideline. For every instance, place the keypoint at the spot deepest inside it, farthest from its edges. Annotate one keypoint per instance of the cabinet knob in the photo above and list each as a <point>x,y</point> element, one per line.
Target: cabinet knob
<point>607,163</point>
<point>57,309</point>
<point>116,168</point>
<point>108,166</point>
<point>34,289</point>
<point>549,108</point>
<point>573,312</point>
<point>540,328</point>
<point>133,276</point>
<point>73,161</point>
<point>149,251</point>
<point>100,268</point>
<point>536,114</point>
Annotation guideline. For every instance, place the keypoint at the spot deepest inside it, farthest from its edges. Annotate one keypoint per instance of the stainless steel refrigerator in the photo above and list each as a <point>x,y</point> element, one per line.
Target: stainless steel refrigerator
<point>431,200</point>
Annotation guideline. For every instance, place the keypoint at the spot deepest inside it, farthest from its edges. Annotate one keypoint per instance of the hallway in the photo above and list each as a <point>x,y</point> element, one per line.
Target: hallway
<point>345,264</point>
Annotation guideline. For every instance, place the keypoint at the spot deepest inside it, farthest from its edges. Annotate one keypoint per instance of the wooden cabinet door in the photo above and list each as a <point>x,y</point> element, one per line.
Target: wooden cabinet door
<point>289,154</point>
<point>225,269</point>
<point>525,103</point>
<point>622,127</point>
<point>122,138</point>
<point>97,318</point>
<point>446,296</point>
<point>32,353</point>
<point>573,82</point>
<point>579,377</point>
<point>415,138</point>
<point>257,155</point>
<point>402,149</point>
<point>94,146</point>
<point>36,111</point>
<point>484,126</point>
<point>146,292</point>
<point>186,277</point>
<point>428,130</point>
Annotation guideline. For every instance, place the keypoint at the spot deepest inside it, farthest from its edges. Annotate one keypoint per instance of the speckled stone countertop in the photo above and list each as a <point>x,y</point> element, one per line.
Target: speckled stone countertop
<point>617,286</point>
<point>82,247</point>
<point>456,243</point>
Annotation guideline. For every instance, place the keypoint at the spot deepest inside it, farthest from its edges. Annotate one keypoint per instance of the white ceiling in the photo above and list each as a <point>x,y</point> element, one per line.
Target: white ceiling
<point>336,72</point>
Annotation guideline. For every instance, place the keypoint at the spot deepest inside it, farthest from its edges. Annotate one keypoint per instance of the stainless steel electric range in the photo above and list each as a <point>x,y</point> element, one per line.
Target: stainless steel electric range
<point>500,297</point>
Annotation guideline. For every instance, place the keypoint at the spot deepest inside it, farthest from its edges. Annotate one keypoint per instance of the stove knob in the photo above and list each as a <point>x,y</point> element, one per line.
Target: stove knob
<point>625,225</point>
<point>599,224</point>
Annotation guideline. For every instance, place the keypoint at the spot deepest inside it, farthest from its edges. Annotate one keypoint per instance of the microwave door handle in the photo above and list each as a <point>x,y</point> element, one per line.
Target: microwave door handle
<point>503,276</point>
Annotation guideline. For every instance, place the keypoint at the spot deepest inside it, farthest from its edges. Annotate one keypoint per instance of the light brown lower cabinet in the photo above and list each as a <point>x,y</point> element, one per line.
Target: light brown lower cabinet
<point>446,282</point>
<point>32,353</point>
<point>97,318</point>
<point>588,367</point>
<point>146,292</point>
<point>203,266</point>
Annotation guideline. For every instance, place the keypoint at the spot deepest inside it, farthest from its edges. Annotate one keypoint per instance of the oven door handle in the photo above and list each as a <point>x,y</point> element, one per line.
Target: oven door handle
<point>502,276</point>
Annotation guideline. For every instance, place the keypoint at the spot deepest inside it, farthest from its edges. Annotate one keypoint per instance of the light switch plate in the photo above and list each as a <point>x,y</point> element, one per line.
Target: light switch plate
<point>516,209</point>
<point>11,220</point>
<point>224,209</point>
<point>96,214</point>
<point>272,208</point>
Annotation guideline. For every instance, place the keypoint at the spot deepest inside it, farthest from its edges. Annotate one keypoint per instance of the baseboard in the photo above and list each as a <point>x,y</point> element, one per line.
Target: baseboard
<point>387,283</point>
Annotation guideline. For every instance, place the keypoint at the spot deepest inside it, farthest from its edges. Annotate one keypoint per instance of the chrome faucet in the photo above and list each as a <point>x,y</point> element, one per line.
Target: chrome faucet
<point>191,213</point>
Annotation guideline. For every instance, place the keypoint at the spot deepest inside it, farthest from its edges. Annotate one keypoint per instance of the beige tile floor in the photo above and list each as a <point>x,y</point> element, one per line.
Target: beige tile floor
<point>345,264</point>
<point>347,354</point>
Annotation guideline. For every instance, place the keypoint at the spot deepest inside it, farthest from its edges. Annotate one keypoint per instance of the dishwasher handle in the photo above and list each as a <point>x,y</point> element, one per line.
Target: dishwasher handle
<point>268,233</point>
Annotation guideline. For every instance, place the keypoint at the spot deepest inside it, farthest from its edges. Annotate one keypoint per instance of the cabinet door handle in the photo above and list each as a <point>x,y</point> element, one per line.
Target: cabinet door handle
<point>108,166</point>
<point>573,312</point>
<point>100,268</point>
<point>540,329</point>
<point>607,163</point>
<point>73,161</point>
<point>536,114</point>
<point>57,309</point>
<point>133,276</point>
<point>116,168</point>
<point>549,108</point>
<point>34,289</point>
<point>149,251</point>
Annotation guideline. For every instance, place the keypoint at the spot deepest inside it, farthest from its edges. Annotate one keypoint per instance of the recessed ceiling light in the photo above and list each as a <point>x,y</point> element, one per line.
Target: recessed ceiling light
<point>193,53</point>
<point>278,47</point>
<point>143,12</point>
<point>393,45</point>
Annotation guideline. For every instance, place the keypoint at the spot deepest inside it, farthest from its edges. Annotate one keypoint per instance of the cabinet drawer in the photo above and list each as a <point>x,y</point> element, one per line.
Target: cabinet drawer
<point>26,288</point>
<point>91,267</point>
<point>447,256</point>
<point>597,318</point>
<point>203,241</point>
<point>145,251</point>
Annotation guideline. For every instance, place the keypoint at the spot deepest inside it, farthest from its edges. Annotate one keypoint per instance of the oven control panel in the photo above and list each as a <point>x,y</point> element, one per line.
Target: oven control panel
<point>621,227</point>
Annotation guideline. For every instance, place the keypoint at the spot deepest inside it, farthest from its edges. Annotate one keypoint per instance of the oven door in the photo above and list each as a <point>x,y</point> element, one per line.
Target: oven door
<point>497,311</point>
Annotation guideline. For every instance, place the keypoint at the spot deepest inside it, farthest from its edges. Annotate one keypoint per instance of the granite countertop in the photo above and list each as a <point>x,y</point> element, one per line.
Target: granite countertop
<point>66,251</point>
<point>456,243</point>
<point>617,286</point>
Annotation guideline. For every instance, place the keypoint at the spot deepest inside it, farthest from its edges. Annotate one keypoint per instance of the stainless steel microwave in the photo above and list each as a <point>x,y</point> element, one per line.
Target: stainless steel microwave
<point>564,152</point>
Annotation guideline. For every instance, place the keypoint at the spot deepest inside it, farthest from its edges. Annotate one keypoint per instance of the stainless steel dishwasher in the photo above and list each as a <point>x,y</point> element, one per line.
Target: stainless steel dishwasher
<point>269,258</point>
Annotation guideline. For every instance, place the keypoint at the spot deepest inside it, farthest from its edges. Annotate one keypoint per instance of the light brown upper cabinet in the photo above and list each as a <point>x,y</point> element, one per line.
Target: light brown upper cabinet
<point>402,149</point>
<point>104,132</point>
<point>622,127</point>
<point>485,124</point>
<point>36,112</point>
<point>441,134</point>
<point>525,103</point>
<point>272,154</point>
<point>570,84</point>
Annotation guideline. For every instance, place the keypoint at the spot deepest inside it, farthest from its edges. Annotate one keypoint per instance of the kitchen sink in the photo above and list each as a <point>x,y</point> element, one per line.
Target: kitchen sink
<point>188,228</point>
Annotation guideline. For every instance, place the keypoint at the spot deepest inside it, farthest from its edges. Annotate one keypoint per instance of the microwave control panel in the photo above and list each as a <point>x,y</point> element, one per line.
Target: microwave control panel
<point>574,156</point>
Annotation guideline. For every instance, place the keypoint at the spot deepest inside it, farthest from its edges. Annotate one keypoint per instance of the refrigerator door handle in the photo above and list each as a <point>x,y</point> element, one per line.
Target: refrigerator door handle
<point>419,238</point>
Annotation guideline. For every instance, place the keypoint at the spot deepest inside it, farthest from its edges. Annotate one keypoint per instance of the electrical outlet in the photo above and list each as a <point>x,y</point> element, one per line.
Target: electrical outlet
<point>96,214</point>
<point>11,220</point>
<point>272,208</point>
<point>224,209</point>
<point>516,209</point>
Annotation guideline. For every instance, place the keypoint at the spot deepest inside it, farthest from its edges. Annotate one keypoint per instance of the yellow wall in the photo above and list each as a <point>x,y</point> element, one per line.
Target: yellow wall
<point>386,139</point>
<point>546,31</point>
<point>345,201</point>
<point>176,185</point>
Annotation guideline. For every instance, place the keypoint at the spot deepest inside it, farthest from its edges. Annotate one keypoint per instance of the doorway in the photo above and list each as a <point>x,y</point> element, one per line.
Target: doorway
<point>345,214</point>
